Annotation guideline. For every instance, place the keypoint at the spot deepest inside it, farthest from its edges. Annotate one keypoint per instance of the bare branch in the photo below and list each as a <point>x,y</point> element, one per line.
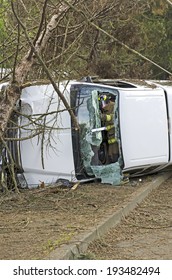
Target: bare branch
<point>90,22</point>
<point>169,2</point>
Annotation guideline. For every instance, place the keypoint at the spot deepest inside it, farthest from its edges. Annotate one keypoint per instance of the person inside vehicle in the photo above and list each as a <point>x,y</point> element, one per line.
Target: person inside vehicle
<point>110,143</point>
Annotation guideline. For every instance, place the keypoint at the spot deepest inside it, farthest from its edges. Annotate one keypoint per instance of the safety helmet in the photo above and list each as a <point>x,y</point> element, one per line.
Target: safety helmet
<point>104,100</point>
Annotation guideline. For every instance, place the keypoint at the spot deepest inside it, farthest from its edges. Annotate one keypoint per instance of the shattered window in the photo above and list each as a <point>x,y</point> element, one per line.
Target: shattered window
<point>93,143</point>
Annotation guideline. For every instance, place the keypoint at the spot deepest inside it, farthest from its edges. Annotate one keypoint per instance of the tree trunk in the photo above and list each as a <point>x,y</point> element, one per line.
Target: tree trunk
<point>8,99</point>
<point>12,93</point>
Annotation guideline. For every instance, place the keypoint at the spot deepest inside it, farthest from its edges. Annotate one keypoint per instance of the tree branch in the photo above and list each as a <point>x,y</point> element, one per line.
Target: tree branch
<point>90,22</point>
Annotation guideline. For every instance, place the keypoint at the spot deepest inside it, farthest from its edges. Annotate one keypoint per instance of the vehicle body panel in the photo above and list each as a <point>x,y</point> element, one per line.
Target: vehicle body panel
<point>49,155</point>
<point>144,127</point>
<point>167,88</point>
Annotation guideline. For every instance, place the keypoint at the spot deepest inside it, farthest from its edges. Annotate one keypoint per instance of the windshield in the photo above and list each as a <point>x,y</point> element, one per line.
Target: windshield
<point>97,152</point>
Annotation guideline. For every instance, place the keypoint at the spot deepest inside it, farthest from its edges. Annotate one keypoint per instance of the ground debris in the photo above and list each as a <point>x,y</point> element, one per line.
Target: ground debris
<point>36,221</point>
<point>145,234</point>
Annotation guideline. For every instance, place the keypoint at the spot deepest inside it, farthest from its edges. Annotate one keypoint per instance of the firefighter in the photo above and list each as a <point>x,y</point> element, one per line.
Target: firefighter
<point>107,118</point>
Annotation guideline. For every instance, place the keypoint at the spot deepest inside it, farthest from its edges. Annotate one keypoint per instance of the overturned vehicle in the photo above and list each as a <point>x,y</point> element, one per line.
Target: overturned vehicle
<point>125,128</point>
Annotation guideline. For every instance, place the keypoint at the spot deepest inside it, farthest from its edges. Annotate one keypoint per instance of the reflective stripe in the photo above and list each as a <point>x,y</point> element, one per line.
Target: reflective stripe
<point>112,140</point>
<point>109,127</point>
<point>108,118</point>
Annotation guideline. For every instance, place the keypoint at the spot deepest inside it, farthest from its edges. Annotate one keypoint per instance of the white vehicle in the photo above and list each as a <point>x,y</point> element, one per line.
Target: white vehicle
<point>142,119</point>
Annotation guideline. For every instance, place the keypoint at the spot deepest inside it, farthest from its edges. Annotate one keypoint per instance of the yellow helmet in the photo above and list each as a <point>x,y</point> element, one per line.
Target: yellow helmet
<point>104,100</point>
<point>103,97</point>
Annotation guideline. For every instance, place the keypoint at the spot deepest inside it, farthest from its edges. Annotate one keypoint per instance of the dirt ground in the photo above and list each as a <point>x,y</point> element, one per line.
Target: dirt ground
<point>35,222</point>
<point>145,234</point>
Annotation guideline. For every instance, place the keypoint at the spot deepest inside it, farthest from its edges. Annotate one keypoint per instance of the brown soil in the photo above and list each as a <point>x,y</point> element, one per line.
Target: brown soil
<point>145,234</point>
<point>36,221</point>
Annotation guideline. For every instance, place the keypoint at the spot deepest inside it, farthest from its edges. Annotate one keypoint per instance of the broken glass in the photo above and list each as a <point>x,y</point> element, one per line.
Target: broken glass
<point>90,142</point>
<point>109,174</point>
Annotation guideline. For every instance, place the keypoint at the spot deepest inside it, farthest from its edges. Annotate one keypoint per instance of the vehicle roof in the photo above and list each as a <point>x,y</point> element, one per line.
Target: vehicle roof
<point>124,84</point>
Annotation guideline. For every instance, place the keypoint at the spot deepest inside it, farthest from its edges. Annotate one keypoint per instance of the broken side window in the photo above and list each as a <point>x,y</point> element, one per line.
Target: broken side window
<point>94,146</point>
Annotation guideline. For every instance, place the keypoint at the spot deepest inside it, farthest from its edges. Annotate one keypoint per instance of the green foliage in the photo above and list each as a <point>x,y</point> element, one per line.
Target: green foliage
<point>149,32</point>
<point>79,49</point>
<point>3,7</point>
